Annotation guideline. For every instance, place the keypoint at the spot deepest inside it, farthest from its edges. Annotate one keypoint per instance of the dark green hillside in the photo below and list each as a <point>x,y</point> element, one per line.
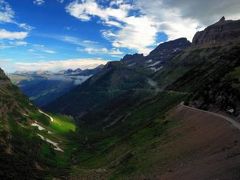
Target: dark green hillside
<point>132,73</point>
<point>125,135</point>
<point>118,141</point>
<point>13,138</point>
<point>114,80</point>
<point>214,81</point>
<point>23,153</point>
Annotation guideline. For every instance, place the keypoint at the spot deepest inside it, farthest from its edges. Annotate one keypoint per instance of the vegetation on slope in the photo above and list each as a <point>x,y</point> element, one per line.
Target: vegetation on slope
<point>25,131</point>
<point>117,151</point>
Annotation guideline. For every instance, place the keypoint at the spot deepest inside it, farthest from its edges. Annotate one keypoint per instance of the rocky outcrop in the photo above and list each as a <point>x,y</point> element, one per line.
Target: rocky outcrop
<point>167,50</point>
<point>160,55</point>
<point>133,59</point>
<point>224,31</point>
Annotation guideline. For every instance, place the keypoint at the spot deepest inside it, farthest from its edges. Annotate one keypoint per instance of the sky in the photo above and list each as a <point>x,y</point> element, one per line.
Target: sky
<point>61,34</point>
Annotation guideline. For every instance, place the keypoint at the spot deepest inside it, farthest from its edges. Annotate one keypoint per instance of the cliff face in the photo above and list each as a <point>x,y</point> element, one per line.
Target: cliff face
<point>224,31</point>
<point>169,49</point>
<point>159,56</point>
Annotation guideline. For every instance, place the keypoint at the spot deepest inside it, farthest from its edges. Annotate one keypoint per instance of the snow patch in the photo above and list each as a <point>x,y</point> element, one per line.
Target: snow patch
<point>133,64</point>
<point>50,117</point>
<point>56,147</point>
<point>40,128</point>
<point>154,64</point>
<point>156,69</point>
<point>150,61</point>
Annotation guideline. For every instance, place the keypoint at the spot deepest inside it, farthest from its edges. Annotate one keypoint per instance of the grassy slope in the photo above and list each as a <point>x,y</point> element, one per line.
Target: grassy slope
<point>213,82</point>
<point>23,153</point>
<point>130,146</point>
<point>115,80</point>
<point>122,150</point>
<point>62,124</point>
<point>52,162</point>
<point>62,131</point>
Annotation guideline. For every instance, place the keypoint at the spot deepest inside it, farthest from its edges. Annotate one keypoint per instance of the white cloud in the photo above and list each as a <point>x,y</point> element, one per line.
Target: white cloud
<point>91,47</point>
<point>90,50</point>
<point>38,2</point>
<point>138,31</point>
<point>6,12</point>
<point>58,65</point>
<point>12,44</point>
<point>100,50</point>
<point>86,9</point>
<point>182,18</point>
<point>115,51</point>
<point>25,26</point>
<point>18,43</point>
<point>4,34</point>
<point>70,39</point>
<point>205,12</point>
<point>42,48</point>
<point>135,32</point>
<point>21,43</point>
<point>169,19</point>
<point>7,15</point>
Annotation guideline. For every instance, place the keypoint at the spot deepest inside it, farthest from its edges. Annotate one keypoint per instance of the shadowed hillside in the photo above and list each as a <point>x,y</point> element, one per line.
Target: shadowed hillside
<point>132,128</point>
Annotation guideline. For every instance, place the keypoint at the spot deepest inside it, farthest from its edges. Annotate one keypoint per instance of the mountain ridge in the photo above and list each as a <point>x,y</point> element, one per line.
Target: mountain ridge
<point>123,76</point>
<point>222,32</point>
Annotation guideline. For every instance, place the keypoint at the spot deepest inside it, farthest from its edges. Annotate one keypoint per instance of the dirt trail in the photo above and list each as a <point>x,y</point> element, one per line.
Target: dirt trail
<point>232,121</point>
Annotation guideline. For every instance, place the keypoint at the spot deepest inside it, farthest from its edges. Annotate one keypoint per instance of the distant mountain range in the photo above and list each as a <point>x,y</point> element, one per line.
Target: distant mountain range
<point>42,87</point>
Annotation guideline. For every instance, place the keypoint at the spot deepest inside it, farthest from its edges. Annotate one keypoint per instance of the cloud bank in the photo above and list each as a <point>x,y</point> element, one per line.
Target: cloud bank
<point>134,32</point>
<point>56,65</point>
<point>136,24</point>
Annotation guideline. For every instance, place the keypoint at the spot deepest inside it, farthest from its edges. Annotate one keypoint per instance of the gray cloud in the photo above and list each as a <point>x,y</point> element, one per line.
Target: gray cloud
<point>206,11</point>
<point>182,18</point>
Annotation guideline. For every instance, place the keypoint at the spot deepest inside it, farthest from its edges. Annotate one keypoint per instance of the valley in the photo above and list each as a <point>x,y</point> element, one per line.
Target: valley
<point>42,87</point>
<point>171,114</point>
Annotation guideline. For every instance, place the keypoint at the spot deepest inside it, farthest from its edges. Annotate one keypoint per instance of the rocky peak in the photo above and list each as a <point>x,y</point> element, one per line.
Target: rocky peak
<point>224,31</point>
<point>166,51</point>
<point>112,65</point>
<point>161,54</point>
<point>170,47</point>
<point>222,20</point>
<point>3,77</point>
<point>131,57</point>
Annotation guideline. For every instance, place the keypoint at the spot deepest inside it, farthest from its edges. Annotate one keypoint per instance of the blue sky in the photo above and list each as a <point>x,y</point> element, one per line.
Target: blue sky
<point>61,34</point>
